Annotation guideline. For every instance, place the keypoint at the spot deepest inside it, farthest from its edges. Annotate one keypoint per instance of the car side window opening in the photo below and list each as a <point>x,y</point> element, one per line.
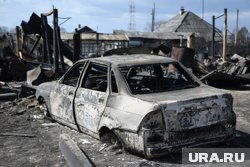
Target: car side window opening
<point>113,83</point>
<point>72,77</point>
<point>155,78</point>
<point>95,77</point>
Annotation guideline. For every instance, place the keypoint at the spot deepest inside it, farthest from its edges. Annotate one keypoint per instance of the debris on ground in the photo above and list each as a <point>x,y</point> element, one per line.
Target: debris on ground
<point>36,143</point>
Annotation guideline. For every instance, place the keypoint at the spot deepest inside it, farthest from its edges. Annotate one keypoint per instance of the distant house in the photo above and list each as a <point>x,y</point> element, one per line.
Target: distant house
<point>188,22</point>
<point>154,39</point>
<point>93,42</point>
<point>186,29</point>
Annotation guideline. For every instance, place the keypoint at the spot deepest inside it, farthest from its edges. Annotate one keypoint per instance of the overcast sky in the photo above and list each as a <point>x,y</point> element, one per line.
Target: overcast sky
<point>106,15</point>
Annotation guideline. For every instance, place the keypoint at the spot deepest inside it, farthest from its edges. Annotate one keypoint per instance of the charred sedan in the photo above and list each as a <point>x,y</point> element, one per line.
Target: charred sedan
<point>151,104</point>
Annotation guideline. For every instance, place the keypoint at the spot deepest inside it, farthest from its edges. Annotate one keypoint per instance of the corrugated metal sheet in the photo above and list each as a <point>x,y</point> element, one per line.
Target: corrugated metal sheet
<point>92,37</point>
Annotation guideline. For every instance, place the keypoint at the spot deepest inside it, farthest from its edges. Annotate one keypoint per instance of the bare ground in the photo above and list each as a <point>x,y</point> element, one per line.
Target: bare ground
<point>27,139</point>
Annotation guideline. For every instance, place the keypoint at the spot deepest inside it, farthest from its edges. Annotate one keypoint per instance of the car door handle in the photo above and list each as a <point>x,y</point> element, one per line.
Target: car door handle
<point>101,100</point>
<point>70,93</point>
<point>80,103</point>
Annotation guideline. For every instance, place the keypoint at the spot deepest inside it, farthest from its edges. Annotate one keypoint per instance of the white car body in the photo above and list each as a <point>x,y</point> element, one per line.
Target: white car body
<point>151,122</point>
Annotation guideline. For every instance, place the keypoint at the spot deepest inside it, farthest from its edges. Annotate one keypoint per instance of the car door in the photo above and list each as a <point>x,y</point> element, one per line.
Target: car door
<point>62,97</point>
<point>91,97</point>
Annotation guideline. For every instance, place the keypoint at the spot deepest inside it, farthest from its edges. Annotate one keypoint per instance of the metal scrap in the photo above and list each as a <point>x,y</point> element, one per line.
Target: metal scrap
<point>234,73</point>
<point>216,72</point>
<point>17,134</point>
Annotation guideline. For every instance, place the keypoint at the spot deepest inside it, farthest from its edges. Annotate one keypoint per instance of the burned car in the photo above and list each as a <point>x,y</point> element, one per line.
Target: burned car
<point>151,104</point>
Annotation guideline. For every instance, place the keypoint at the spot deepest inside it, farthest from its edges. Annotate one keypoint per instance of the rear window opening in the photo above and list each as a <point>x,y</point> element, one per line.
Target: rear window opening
<point>154,78</point>
<point>96,77</point>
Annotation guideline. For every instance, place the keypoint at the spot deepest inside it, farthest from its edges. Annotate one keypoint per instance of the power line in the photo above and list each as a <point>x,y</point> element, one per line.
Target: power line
<point>65,18</point>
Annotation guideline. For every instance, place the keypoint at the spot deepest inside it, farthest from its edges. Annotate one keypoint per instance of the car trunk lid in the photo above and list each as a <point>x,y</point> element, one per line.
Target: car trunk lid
<point>191,108</point>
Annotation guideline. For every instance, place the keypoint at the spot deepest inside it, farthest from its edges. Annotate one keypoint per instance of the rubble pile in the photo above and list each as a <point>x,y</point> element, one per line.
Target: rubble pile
<point>39,54</point>
<point>11,67</point>
<point>233,72</point>
<point>14,90</point>
<point>21,105</point>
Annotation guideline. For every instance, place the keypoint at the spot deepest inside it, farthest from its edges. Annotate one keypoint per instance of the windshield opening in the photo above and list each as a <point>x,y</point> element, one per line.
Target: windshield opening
<point>154,78</point>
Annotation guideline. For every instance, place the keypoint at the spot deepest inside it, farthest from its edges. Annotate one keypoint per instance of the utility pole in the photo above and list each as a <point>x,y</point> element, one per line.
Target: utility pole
<point>55,46</point>
<point>153,19</point>
<point>236,29</point>
<point>17,40</point>
<point>97,44</point>
<point>77,45</point>
<point>213,36</point>
<point>56,43</point>
<point>202,9</point>
<point>224,35</point>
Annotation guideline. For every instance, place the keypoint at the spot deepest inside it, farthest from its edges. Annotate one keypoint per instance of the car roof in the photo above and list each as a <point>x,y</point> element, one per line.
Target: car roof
<point>135,59</point>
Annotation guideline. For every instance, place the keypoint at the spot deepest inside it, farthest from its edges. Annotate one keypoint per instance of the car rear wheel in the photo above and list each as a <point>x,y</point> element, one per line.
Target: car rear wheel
<point>111,139</point>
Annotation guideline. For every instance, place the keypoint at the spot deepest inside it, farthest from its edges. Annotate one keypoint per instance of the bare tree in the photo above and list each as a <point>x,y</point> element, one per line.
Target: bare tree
<point>242,37</point>
<point>243,42</point>
<point>3,30</point>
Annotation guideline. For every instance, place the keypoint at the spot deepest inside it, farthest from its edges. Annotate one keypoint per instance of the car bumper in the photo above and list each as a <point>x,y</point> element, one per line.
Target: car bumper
<point>152,152</point>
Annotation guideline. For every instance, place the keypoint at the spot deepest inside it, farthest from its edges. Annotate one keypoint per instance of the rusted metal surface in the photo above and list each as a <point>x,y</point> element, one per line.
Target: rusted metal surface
<point>40,74</point>
<point>152,120</point>
<point>184,55</point>
<point>33,75</point>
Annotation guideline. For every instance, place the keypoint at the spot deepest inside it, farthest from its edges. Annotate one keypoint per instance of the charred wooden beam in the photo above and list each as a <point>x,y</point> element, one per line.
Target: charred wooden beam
<point>55,42</point>
<point>77,46</point>
<point>47,38</point>
<point>35,45</point>
<point>17,40</point>
<point>59,46</point>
